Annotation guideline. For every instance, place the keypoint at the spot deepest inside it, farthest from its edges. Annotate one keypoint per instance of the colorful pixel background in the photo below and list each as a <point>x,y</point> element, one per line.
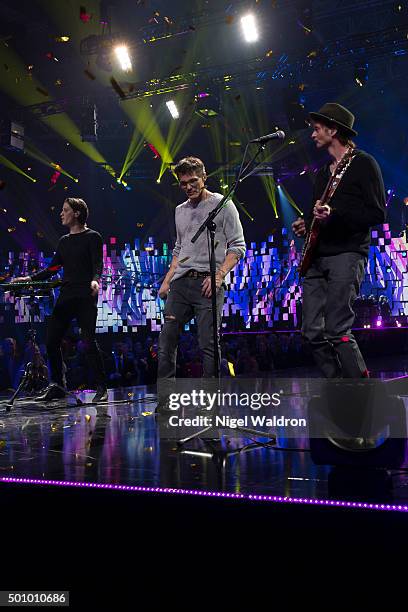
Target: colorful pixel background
<point>263,292</point>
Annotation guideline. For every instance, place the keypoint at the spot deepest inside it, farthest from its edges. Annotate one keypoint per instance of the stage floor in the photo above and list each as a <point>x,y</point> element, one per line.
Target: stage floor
<point>122,443</point>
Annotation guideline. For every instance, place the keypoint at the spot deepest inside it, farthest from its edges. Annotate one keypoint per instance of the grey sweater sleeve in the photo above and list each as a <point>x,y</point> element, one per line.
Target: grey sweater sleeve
<point>177,246</point>
<point>233,231</point>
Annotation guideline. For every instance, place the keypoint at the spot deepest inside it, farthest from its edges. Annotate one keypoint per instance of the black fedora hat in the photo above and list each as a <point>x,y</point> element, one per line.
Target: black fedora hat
<point>338,114</point>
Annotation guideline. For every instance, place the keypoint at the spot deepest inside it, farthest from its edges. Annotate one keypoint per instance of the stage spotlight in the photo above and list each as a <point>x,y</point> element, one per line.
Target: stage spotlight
<point>361,74</point>
<point>122,54</point>
<point>249,28</point>
<point>171,105</point>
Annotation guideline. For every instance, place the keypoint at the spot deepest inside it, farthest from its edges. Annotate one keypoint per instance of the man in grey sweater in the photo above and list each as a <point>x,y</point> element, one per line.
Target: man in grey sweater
<point>187,285</point>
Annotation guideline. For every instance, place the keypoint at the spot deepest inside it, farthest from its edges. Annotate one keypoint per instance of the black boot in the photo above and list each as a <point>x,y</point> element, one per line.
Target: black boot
<point>101,395</point>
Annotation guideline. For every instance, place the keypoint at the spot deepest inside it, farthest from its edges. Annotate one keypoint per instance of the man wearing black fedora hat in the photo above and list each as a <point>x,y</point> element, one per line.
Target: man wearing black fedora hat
<point>337,265</point>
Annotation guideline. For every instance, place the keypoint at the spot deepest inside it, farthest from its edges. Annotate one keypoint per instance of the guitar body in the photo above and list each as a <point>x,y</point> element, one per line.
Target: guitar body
<point>312,236</point>
<point>309,248</point>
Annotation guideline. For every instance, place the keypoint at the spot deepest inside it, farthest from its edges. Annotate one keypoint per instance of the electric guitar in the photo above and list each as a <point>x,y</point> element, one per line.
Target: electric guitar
<point>312,235</point>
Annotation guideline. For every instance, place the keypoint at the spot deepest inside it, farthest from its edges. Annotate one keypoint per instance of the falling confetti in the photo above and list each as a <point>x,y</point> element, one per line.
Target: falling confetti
<point>58,82</point>
<point>169,20</point>
<point>55,177</point>
<point>51,56</point>
<point>22,220</point>
<point>11,229</point>
<point>87,418</point>
<point>153,150</point>
<point>62,39</point>
<point>269,53</point>
<point>154,19</point>
<point>312,54</point>
<point>84,15</point>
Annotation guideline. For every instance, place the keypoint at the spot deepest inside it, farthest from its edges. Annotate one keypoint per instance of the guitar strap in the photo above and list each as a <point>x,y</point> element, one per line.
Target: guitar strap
<point>332,183</point>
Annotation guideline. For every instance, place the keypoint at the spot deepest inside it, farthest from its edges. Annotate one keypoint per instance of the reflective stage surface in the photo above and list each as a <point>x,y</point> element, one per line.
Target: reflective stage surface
<point>122,443</point>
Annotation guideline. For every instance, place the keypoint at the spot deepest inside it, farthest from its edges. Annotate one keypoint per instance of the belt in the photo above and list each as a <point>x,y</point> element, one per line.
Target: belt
<point>196,274</point>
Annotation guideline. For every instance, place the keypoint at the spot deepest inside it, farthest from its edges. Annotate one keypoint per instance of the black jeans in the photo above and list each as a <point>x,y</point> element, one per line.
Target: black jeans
<point>329,289</point>
<point>84,310</point>
<point>183,303</point>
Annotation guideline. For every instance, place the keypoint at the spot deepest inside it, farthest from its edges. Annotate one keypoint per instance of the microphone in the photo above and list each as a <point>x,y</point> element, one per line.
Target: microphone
<point>280,134</point>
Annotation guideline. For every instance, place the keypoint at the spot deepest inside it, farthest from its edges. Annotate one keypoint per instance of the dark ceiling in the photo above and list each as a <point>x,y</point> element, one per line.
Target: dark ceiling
<point>308,53</point>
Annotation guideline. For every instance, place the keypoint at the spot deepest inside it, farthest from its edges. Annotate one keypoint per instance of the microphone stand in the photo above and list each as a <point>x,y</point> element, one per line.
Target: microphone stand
<point>211,228</point>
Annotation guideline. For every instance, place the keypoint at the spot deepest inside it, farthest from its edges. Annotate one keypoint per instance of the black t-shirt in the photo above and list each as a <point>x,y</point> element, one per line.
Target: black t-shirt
<point>82,259</point>
<point>357,205</point>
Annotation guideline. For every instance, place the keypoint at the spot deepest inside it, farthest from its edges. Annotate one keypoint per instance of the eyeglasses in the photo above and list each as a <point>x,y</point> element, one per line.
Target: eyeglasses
<point>192,182</point>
